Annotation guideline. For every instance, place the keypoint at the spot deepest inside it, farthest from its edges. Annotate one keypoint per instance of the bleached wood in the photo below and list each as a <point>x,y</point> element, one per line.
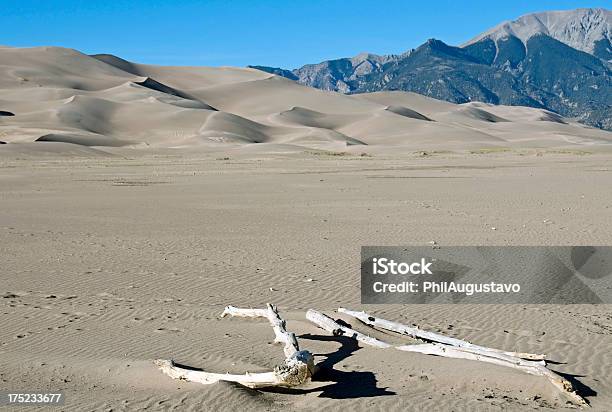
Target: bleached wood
<point>530,367</point>
<point>299,365</point>
<point>278,325</point>
<point>244,313</point>
<point>458,352</point>
<point>416,332</point>
<point>295,371</point>
<point>330,325</point>
<point>297,368</point>
<point>206,378</point>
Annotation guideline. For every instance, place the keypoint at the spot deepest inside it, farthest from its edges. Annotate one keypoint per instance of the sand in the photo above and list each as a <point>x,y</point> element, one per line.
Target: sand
<point>126,230</point>
<point>109,262</point>
<point>52,94</point>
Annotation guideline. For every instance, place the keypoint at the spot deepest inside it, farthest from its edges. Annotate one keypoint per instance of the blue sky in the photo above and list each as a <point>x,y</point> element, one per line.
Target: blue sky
<point>237,33</point>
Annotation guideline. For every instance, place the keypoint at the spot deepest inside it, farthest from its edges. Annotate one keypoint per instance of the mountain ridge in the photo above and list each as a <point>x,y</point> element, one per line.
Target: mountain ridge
<point>580,29</point>
<point>529,61</point>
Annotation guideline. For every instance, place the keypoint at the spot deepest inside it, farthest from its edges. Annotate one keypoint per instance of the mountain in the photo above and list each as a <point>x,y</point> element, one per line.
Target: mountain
<point>559,61</point>
<point>277,71</point>
<point>587,30</point>
<point>334,75</point>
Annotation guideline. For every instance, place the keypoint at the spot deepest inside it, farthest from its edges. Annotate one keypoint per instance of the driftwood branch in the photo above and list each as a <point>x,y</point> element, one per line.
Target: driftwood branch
<point>278,325</point>
<point>418,333</point>
<point>445,350</point>
<point>333,327</point>
<point>530,367</point>
<point>297,368</point>
<point>253,380</point>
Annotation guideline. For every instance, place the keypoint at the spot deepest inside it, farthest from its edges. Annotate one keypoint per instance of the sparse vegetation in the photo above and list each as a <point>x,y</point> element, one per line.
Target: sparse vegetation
<point>490,150</point>
<point>577,152</point>
<point>327,153</point>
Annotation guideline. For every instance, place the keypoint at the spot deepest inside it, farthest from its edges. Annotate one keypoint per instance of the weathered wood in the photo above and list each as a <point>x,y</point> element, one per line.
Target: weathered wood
<point>333,327</point>
<point>418,333</point>
<point>295,371</point>
<point>297,368</point>
<point>206,378</point>
<point>532,368</point>
<point>537,368</point>
<point>278,325</point>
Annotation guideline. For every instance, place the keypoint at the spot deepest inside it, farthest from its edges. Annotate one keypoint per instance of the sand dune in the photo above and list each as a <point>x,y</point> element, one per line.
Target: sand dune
<point>422,104</point>
<point>62,95</point>
<point>55,67</point>
<point>140,200</point>
<point>406,112</point>
<point>475,113</point>
<point>82,139</point>
<point>312,118</point>
<point>223,125</point>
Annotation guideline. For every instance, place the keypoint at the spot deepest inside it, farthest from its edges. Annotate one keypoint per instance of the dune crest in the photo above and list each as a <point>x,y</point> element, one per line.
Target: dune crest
<point>62,95</point>
<point>406,112</point>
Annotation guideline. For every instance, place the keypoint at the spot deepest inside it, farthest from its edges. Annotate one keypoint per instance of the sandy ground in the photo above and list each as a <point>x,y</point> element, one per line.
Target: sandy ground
<point>137,201</point>
<point>111,261</point>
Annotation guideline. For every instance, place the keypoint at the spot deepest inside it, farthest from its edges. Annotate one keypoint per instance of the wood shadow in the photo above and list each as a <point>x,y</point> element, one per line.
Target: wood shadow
<point>581,389</point>
<point>346,384</point>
